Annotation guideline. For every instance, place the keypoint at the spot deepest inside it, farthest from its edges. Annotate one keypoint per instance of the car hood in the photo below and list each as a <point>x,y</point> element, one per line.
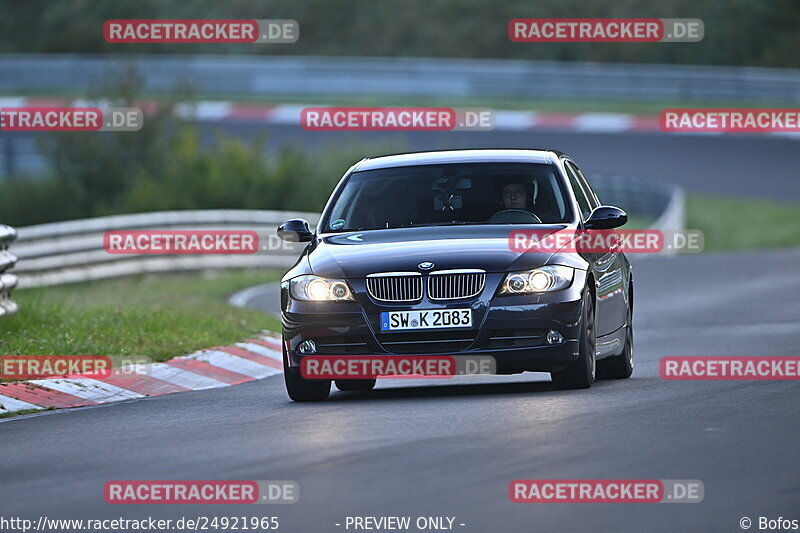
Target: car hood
<point>357,254</point>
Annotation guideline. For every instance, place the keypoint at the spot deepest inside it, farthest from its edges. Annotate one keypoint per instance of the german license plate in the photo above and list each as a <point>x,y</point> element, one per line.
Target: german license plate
<point>429,319</point>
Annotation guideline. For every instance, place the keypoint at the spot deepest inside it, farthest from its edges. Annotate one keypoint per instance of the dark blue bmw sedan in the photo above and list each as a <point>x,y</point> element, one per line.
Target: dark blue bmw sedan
<point>413,256</point>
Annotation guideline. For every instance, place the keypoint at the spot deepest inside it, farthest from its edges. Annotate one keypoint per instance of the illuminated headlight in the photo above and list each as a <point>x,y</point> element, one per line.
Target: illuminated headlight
<point>317,289</point>
<point>542,279</point>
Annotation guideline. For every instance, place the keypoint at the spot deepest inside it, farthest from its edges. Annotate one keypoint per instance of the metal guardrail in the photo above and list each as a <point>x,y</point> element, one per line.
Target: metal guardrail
<point>7,261</point>
<point>662,202</point>
<point>265,76</point>
<point>72,251</point>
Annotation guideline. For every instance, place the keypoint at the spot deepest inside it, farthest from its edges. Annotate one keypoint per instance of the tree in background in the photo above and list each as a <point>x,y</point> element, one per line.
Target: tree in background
<point>737,32</point>
<point>167,165</point>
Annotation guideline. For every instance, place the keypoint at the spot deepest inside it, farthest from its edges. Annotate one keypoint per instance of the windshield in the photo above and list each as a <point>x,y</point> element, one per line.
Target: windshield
<point>465,193</point>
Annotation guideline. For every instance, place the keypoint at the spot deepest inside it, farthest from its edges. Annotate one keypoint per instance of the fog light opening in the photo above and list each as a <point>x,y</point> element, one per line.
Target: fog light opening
<point>308,347</point>
<point>554,337</point>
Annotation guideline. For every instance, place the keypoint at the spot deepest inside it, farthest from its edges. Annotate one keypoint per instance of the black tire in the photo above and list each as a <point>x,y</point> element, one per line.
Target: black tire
<point>355,384</point>
<point>581,373</point>
<point>301,389</point>
<point>620,366</point>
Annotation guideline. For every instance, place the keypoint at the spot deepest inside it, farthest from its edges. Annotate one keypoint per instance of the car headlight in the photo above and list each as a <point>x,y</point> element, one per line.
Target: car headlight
<point>542,279</point>
<point>317,289</point>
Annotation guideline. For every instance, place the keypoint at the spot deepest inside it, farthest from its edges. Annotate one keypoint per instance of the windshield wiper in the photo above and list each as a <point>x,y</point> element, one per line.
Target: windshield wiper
<point>421,224</point>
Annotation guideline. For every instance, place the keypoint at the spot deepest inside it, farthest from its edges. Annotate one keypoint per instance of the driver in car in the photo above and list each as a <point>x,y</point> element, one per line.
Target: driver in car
<point>518,196</point>
<point>514,196</point>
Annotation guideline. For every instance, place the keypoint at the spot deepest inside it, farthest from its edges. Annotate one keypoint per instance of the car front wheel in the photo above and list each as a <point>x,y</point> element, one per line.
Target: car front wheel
<point>581,373</point>
<point>301,389</point>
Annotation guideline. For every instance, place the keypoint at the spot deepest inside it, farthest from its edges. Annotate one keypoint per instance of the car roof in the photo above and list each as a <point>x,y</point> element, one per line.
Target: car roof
<point>490,155</point>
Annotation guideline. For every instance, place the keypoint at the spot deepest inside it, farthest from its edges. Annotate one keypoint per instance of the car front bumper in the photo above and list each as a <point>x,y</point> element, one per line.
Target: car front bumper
<point>511,329</point>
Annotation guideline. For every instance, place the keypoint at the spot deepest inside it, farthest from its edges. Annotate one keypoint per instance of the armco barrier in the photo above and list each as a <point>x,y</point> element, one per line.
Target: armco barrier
<point>72,251</point>
<point>659,201</point>
<point>7,261</point>
<point>270,76</point>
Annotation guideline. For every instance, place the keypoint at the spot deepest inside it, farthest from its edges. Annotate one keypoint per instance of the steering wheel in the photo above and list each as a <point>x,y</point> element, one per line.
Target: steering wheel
<point>514,216</point>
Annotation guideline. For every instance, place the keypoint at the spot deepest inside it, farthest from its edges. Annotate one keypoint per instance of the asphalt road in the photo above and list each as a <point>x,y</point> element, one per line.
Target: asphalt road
<point>429,448</point>
<point>450,449</point>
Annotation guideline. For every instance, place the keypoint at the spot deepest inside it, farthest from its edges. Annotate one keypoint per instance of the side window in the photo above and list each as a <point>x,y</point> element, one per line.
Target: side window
<point>580,196</point>
<point>593,200</point>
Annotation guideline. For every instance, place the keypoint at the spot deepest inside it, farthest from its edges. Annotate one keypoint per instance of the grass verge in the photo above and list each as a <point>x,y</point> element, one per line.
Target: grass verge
<point>25,412</point>
<point>730,223</point>
<point>636,221</point>
<point>156,316</point>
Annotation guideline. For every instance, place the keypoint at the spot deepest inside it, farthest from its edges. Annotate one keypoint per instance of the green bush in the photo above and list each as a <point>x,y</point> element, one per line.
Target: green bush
<point>235,174</point>
<point>737,32</point>
<point>166,165</point>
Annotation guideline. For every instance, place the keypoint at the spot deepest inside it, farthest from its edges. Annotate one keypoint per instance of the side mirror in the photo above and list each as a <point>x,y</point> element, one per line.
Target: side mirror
<point>606,217</point>
<point>295,230</point>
